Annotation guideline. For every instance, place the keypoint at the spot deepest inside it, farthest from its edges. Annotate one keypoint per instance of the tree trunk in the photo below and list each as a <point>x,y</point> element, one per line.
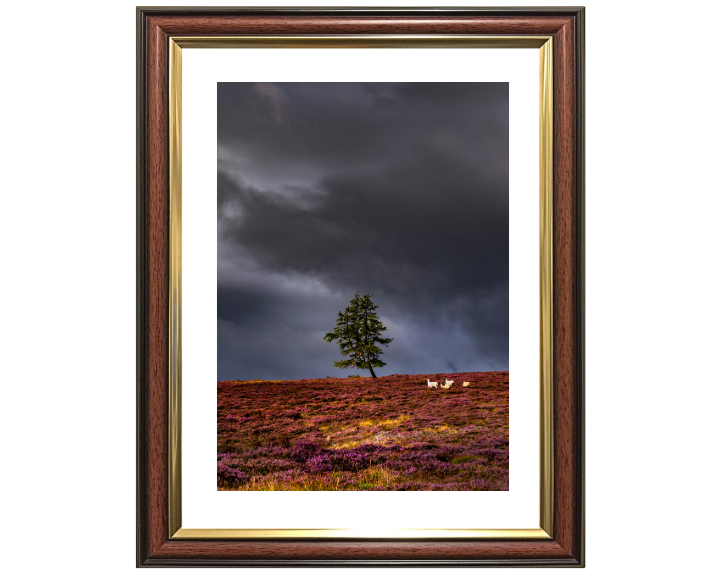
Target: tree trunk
<point>373,373</point>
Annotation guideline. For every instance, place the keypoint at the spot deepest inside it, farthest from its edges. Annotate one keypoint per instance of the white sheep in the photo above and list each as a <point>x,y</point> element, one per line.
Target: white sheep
<point>466,384</point>
<point>447,384</point>
<point>431,384</point>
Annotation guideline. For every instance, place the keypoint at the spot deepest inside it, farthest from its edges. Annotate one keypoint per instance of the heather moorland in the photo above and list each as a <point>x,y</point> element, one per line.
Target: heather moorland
<point>386,433</point>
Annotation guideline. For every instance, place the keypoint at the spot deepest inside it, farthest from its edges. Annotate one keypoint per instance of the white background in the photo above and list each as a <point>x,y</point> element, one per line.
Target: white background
<point>67,226</point>
<point>203,506</point>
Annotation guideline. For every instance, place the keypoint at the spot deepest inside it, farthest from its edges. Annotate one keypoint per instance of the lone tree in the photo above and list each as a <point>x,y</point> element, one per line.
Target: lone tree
<point>358,331</point>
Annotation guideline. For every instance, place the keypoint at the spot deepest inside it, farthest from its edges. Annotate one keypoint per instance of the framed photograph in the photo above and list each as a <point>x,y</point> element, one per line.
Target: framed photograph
<point>353,226</point>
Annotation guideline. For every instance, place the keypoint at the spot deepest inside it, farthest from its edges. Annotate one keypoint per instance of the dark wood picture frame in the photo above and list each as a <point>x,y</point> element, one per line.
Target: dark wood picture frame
<point>155,547</point>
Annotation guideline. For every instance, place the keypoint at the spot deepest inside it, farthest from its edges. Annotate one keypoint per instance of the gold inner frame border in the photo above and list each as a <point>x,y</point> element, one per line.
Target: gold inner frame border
<point>544,44</point>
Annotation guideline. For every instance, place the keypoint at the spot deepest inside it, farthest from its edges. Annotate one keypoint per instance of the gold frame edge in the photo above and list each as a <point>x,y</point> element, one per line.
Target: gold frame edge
<point>547,448</point>
<point>544,43</point>
<point>175,290</point>
<point>369,533</point>
<point>360,41</point>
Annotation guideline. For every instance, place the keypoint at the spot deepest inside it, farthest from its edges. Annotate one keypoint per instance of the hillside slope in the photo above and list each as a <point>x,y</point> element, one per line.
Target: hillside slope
<point>389,433</point>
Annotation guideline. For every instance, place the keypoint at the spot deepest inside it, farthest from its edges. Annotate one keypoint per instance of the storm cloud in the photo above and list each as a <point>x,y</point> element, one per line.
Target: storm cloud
<point>396,190</point>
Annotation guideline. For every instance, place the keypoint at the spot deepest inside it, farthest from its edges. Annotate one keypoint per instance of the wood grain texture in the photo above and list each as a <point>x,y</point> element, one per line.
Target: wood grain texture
<point>563,287</point>
<point>157,220</point>
<point>310,552</point>
<point>154,548</point>
<point>269,25</point>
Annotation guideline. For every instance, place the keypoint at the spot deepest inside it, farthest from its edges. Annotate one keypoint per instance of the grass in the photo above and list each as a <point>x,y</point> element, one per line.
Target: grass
<point>389,433</point>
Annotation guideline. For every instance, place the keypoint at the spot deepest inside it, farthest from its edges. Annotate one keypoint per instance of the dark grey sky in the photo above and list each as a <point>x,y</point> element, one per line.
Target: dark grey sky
<point>396,190</point>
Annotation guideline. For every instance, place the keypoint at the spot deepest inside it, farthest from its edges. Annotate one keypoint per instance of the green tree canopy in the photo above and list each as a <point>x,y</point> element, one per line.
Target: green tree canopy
<point>359,331</point>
